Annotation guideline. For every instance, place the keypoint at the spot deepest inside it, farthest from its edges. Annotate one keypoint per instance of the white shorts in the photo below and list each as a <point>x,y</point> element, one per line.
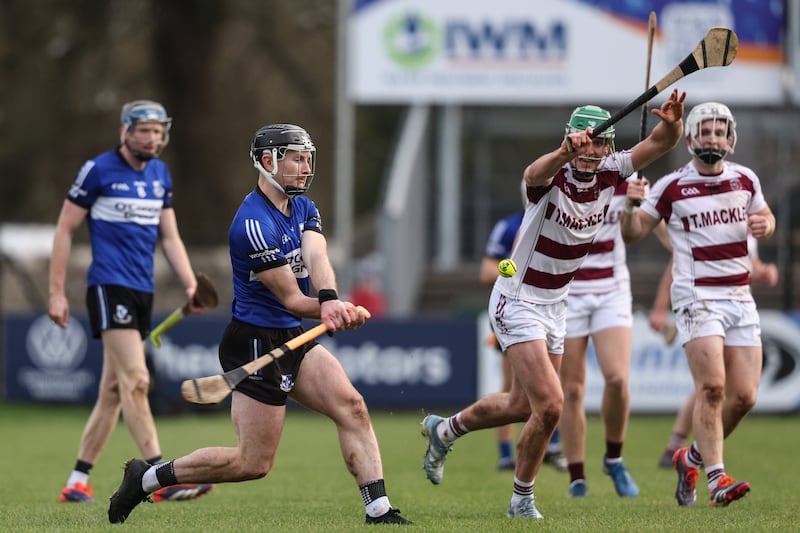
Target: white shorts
<point>589,313</point>
<point>516,321</point>
<point>737,322</point>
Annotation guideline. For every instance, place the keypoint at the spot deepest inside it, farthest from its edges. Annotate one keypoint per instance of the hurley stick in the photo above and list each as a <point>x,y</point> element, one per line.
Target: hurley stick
<point>214,389</point>
<point>651,31</point>
<point>717,49</point>
<point>204,296</point>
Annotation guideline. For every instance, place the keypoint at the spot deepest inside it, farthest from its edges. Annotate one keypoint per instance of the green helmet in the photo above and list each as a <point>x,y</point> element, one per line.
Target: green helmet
<point>589,116</point>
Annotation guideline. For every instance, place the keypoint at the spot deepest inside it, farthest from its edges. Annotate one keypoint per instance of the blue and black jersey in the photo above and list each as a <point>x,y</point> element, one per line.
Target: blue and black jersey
<point>501,239</point>
<point>262,237</point>
<point>124,212</point>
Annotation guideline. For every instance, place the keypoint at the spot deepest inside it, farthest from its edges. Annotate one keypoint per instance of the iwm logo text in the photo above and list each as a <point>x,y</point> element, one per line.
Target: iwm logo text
<point>414,40</point>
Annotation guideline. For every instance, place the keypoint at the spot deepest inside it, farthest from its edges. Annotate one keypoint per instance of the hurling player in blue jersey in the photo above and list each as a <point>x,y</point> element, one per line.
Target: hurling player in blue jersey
<point>125,195</point>
<point>277,253</point>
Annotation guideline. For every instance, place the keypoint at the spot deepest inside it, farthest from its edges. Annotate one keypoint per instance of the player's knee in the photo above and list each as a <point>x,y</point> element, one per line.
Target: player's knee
<point>255,471</point>
<point>713,393</point>
<point>248,468</point>
<point>573,393</point>
<point>551,412</point>
<point>108,394</point>
<point>136,384</point>
<point>744,402</point>
<point>357,408</point>
<point>142,384</point>
<point>616,383</point>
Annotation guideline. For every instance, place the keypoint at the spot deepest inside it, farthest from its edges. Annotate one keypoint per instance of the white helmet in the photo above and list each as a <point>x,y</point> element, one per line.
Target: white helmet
<point>699,114</point>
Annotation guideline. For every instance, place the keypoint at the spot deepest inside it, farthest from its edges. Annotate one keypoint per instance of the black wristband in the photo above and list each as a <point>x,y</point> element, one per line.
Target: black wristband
<point>326,295</point>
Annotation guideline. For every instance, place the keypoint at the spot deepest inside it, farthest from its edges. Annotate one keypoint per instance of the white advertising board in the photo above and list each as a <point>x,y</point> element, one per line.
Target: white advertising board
<point>554,51</point>
<point>660,379</point>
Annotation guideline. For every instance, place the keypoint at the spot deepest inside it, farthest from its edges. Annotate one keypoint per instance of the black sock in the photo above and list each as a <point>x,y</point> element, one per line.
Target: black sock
<point>83,466</point>
<point>372,490</point>
<point>165,473</point>
<point>155,460</point>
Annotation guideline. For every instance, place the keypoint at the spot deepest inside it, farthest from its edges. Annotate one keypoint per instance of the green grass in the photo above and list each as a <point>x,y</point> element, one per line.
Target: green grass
<point>310,490</point>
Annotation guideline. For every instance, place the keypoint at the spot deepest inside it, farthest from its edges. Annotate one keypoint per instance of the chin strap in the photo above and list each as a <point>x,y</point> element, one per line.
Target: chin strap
<point>289,190</point>
<point>585,174</point>
<point>142,156</point>
<point>710,156</point>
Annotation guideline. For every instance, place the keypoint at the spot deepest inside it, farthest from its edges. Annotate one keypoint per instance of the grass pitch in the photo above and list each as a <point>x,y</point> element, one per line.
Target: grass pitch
<point>310,490</point>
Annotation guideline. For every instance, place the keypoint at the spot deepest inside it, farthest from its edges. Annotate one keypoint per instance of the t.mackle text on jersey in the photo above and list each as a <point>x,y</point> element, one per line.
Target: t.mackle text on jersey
<point>732,215</point>
<point>574,223</point>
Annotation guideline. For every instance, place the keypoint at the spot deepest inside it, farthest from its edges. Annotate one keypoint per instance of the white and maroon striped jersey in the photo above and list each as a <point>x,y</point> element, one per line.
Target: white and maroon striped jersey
<point>707,225</point>
<point>605,268</point>
<point>561,221</point>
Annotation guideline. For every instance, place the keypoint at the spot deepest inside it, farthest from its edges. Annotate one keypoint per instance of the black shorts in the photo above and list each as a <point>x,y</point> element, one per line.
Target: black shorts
<point>117,307</point>
<point>242,343</point>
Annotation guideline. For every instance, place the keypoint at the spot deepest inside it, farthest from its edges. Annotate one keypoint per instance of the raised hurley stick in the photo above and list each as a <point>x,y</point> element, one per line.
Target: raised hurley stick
<point>214,389</point>
<point>651,31</point>
<point>717,49</point>
<point>205,296</point>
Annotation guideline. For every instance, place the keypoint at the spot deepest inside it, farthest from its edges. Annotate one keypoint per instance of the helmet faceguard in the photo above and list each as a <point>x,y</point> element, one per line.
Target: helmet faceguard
<point>277,139</point>
<point>719,147</point>
<point>590,116</point>
<point>140,111</point>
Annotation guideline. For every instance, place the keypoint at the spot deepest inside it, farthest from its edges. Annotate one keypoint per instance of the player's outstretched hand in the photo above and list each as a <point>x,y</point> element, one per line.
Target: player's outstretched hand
<point>672,109</point>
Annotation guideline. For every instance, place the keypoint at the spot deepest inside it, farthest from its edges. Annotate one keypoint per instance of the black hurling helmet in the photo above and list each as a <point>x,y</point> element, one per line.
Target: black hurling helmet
<point>278,138</point>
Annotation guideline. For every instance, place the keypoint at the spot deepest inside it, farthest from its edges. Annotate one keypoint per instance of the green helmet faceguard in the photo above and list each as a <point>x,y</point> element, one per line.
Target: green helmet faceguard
<point>590,116</point>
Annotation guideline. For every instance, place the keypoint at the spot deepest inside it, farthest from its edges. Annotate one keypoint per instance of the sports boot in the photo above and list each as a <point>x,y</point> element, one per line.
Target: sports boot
<point>130,493</point>
<point>392,516</point>
<point>727,491</point>
<point>78,493</point>
<point>525,508</point>
<point>623,482</point>
<point>685,493</point>
<point>436,452</point>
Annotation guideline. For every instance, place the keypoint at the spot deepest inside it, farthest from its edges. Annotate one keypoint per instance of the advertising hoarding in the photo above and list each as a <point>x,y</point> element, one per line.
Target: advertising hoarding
<point>555,51</point>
